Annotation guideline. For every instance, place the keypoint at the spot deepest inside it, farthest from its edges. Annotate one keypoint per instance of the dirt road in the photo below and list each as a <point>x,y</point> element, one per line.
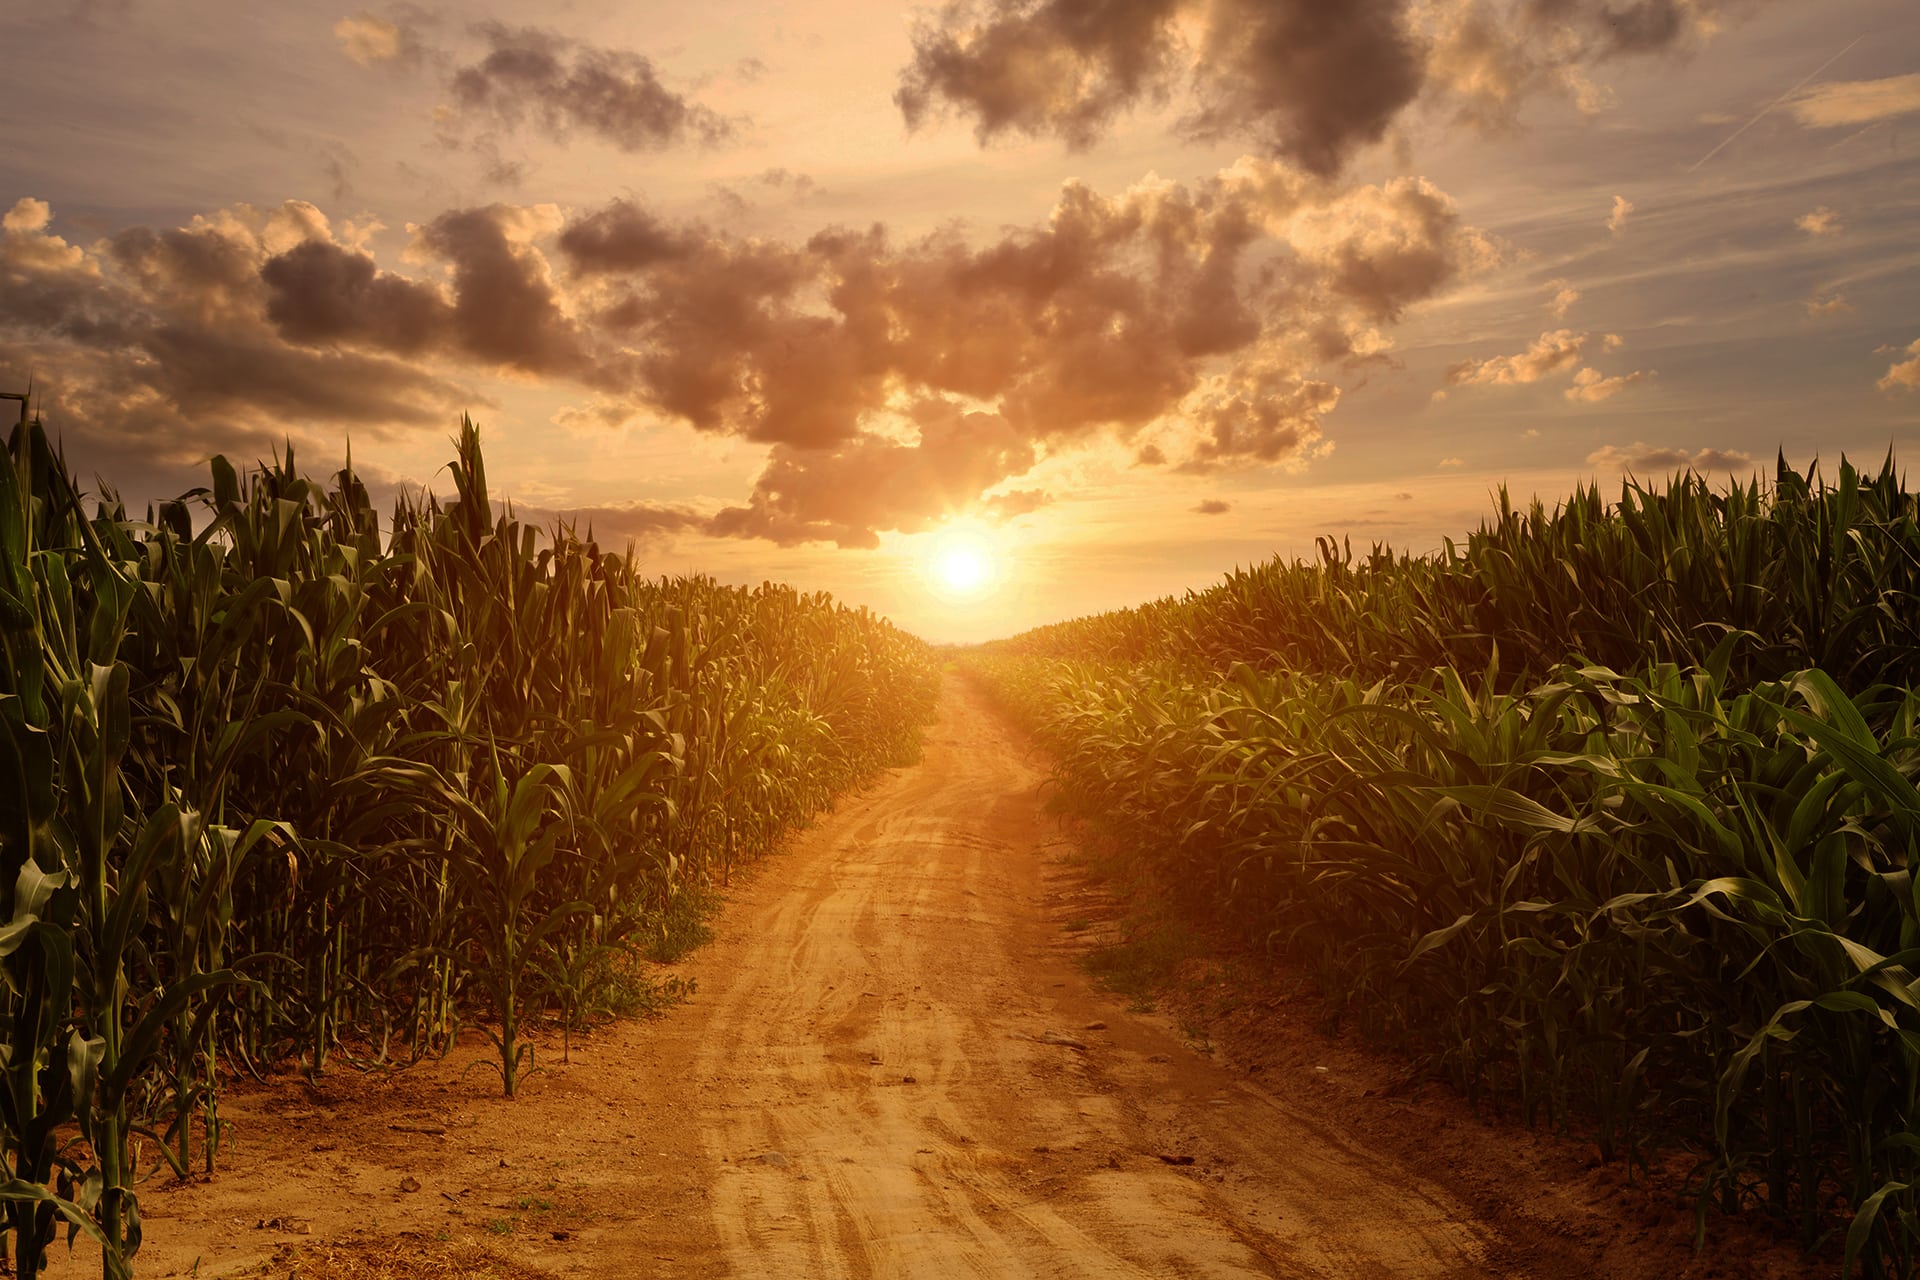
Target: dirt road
<point>891,1067</point>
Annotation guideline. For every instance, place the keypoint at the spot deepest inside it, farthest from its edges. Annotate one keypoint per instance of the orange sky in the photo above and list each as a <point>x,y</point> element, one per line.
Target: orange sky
<point>1136,290</point>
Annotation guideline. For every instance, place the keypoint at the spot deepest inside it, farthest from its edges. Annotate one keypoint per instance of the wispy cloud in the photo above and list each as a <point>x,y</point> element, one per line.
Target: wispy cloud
<point>1767,110</point>
<point>1622,210</point>
<point>1855,102</point>
<point>1564,296</point>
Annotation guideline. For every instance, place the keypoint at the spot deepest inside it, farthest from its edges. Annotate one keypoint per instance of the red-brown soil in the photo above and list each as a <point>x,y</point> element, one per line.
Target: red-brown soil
<point>874,1078</point>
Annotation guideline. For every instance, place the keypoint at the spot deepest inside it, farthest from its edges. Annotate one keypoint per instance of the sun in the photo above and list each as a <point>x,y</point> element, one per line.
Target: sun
<point>961,564</point>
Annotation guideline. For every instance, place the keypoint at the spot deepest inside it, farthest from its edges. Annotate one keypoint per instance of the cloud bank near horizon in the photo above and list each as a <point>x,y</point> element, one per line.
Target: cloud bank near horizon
<point>895,382</point>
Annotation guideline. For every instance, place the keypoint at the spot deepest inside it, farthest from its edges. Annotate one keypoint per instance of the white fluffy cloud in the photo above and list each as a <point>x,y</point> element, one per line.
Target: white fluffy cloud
<point>1903,374</point>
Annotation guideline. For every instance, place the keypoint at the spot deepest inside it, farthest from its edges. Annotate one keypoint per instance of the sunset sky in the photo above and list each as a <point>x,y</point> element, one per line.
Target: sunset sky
<point>1127,292</point>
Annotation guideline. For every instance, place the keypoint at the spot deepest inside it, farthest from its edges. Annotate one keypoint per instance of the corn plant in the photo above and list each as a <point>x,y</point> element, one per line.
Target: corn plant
<point>281,778</point>
<point>1608,816</point>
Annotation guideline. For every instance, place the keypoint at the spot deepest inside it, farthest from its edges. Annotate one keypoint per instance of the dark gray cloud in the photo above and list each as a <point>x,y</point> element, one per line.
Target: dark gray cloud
<point>1642,459</point>
<point>502,310</point>
<point>505,311</point>
<point>622,236</point>
<point>532,77</point>
<point>1308,80</point>
<point>1063,68</point>
<point>154,347</point>
<point>322,292</point>
<point>538,79</point>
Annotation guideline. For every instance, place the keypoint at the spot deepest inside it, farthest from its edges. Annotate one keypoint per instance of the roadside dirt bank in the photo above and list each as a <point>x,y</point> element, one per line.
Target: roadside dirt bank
<point>893,1066</point>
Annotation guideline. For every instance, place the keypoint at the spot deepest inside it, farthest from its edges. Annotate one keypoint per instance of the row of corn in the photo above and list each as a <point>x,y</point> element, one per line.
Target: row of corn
<point>1810,574</point>
<point>278,783</point>
<point>1664,900</point>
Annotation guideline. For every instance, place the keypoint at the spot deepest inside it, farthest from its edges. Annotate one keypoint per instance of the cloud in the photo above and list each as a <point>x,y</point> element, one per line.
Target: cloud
<point>1826,308</point>
<point>153,347</point>
<point>1622,210</point>
<point>323,292</point>
<point>371,40</point>
<point>500,310</point>
<point>794,188</point>
<point>1554,352</point>
<point>894,381</point>
<point>561,86</point>
<point>1590,386</point>
<point>1386,247</point>
<point>1904,373</point>
<point>1057,68</point>
<point>506,312</point>
<point>1640,457</point>
<point>622,236</point>
<point>1487,57</point>
<point>870,483</point>
<point>1263,415</point>
<point>1212,507</point>
<point>1564,296</point>
<point>1550,353</point>
<point>1821,222</point>
<point>643,523</point>
<point>1840,103</point>
<point>529,77</point>
<point>1451,462</point>
<point>1108,315</point>
<point>1306,80</point>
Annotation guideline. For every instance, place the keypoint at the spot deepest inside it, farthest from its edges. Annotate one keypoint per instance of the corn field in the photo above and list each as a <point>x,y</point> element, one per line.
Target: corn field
<point>278,783</point>
<point>1610,816</point>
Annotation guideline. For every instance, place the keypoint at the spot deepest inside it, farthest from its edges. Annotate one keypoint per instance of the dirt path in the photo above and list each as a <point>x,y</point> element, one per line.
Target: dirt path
<point>874,1079</point>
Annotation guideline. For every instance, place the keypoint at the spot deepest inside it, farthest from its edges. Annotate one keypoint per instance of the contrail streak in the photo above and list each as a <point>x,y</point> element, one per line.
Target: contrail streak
<point>1776,102</point>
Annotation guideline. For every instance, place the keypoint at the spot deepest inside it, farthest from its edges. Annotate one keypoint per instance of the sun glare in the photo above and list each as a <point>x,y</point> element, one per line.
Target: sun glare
<point>961,564</point>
